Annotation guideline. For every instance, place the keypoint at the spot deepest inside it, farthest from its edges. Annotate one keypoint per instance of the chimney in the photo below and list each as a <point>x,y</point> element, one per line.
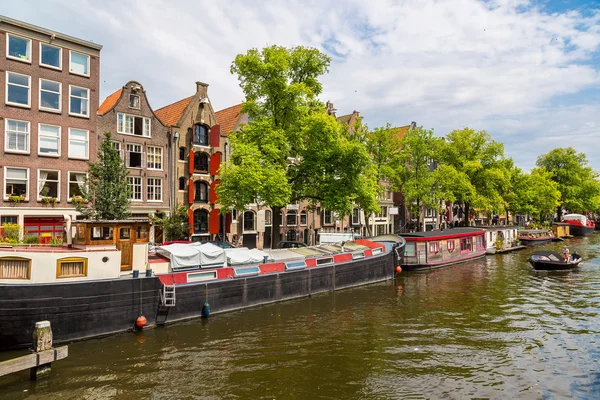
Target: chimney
<point>413,125</point>
<point>356,113</point>
<point>202,88</point>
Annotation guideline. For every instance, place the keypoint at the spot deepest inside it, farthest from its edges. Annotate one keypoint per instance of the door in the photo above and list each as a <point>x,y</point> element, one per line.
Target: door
<point>267,238</point>
<point>125,244</point>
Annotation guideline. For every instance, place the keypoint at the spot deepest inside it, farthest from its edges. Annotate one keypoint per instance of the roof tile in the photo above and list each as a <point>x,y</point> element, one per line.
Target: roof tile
<point>228,117</point>
<point>171,114</point>
<point>109,102</point>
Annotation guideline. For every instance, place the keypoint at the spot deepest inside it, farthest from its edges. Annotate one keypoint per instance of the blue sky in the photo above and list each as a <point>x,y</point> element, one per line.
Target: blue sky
<point>525,71</point>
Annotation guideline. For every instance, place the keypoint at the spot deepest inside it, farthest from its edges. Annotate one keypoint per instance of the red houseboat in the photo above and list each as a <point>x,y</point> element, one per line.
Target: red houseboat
<point>580,225</point>
<point>435,249</point>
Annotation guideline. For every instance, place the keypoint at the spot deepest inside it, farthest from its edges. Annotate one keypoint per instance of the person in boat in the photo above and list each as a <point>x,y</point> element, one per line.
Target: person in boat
<point>575,256</point>
<point>565,252</point>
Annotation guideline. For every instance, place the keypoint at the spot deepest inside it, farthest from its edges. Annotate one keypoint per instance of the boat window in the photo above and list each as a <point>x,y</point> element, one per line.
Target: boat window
<point>409,249</point>
<point>71,267</point>
<point>450,245</point>
<point>142,232</point>
<point>466,244</point>
<point>247,271</point>
<point>377,251</point>
<point>201,276</point>
<point>124,233</point>
<point>295,265</point>
<point>358,255</point>
<point>15,268</point>
<point>101,233</point>
<point>323,261</point>
<point>434,247</point>
<point>479,241</point>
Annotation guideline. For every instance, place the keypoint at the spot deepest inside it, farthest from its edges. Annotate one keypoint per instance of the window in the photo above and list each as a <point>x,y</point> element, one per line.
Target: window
<point>78,101</point>
<point>134,101</point>
<point>134,156</point>
<point>79,64</point>
<point>16,182</point>
<point>200,192</point>
<point>71,267</point>
<point>102,233</point>
<point>9,219</point>
<point>434,247</point>
<point>154,189</point>
<point>181,183</point>
<point>291,218</point>
<point>327,217</point>
<point>154,159</point>
<point>410,250</point>
<point>141,232</point>
<point>50,56</point>
<point>291,235</point>
<point>355,216</point>
<point>200,162</point>
<point>117,146</point>
<point>450,245</point>
<point>135,186</point>
<point>17,136</point>
<point>466,244</point>
<point>182,152</point>
<point>303,218</point>
<point>132,125</point>
<point>48,140</point>
<point>76,184</point>
<point>479,241</point>
<point>200,221</point>
<point>50,92</point>
<point>248,221</point>
<point>48,184</point>
<point>78,144</point>
<point>18,48</point>
<point>268,217</point>
<point>18,88</point>
<point>15,268</point>
<point>200,135</point>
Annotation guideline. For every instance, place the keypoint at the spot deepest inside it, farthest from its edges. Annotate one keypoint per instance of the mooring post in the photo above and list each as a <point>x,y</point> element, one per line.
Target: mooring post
<point>42,341</point>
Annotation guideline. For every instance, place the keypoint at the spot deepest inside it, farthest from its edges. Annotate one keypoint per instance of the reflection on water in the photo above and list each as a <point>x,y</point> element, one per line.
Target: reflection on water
<point>490,328</point>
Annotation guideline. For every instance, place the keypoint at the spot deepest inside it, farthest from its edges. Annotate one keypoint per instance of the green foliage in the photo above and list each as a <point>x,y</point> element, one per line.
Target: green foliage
<point>383,144</point>
<point>107,196</point>
<point>12,231</point>
<point>16,198</point>
<point>31,240</point>
<point>56,242</point>
<point>174,226</point>
<point>577,181</point>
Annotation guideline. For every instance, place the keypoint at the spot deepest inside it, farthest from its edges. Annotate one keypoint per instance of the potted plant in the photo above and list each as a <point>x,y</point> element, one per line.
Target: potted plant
<point>77,200</point>
<point>49,200</point>
<point>16,198</point>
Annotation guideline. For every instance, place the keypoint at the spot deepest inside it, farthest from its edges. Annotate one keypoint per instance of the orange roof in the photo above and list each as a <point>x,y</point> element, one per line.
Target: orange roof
<point>401,131</point>
<point>228,117</point>
<point>171,114</point>
<point>110,102</point>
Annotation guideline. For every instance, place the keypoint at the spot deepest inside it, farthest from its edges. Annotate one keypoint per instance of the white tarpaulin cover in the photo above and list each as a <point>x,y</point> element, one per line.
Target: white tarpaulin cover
<point>243,255</point>
<point>193,255</point>
<point>576,217</point>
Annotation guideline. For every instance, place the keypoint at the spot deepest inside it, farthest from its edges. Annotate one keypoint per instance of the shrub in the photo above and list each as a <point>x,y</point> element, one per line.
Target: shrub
<point>31,240</point>
<point>56,242</point>
<point>12,231</point>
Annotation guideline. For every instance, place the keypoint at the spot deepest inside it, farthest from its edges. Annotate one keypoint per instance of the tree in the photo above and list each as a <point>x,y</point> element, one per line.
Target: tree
<point>576,180</point>
<point>291,150</point>
<point>475,155</point>
<point>107,192</point>
<point>545,195</point>
<point>383,144</point>
<point>174,226</point>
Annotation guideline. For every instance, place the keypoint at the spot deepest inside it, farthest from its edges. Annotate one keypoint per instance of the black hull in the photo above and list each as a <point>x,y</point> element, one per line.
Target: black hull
<point>96,308</point>
<point>577,230</point>
<point>530,242</point>
<point>553,266</point>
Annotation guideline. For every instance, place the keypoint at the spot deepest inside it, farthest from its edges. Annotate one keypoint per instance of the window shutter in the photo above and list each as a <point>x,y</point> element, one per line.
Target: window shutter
<point>214,222</point>
<point>191,192</point>
<point>215,163</point>
<point>143,159</point>
<point>191,220</point>
<point>191,162</point>
<point>213,198</point>
<point>127,158</point>
<point>215,135</point>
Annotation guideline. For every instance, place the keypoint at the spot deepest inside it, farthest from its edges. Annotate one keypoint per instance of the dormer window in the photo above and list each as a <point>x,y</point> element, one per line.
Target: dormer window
<point>134,101</point>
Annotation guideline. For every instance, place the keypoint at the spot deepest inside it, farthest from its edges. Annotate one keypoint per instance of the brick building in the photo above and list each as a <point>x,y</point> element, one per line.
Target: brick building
<point>199,147</point>
<point>49,91</point>
<point>145,146</point>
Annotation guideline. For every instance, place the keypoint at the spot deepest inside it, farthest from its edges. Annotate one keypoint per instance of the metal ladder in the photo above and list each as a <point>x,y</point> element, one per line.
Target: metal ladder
<point>167,296</point>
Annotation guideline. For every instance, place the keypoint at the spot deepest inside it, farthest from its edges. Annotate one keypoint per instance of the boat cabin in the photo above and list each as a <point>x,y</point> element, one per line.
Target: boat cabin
<point>434,249</point>
<point>129,236</point>
<point>561,229</point>
<point>501,239</point>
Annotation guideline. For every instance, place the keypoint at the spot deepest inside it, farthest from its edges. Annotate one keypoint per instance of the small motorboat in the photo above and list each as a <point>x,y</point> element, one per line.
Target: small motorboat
<point>553,261</point>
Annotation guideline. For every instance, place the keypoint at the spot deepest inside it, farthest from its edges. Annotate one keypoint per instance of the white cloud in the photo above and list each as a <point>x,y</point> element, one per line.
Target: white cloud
<point>493,65</point>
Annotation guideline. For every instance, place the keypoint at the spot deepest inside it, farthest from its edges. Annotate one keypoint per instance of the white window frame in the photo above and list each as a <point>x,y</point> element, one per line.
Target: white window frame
<point>87,149</point>
<point>128,158</point>
<point>154,157</point>
<point>28,186</point>
<point>27,60</point>
<point>88,63</point>
<point>325,222</point>
<point>28,105</point>
<point>58,184</point>
<point>6,149</point>
<point>40,137</point>
<point>88,102</point>
<point>155,187</point>
<point>59,97</point>
<point>69,181</point>
<point>122,126</point>
<point>59,68</point>
<point>132,185</point>
<point>139,101</point>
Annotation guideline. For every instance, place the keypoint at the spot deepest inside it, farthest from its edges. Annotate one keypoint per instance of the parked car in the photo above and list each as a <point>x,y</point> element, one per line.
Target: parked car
<point>291,245</point>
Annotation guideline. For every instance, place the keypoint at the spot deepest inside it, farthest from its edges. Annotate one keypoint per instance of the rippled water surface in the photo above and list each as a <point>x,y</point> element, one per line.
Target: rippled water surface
<point>492,328</point>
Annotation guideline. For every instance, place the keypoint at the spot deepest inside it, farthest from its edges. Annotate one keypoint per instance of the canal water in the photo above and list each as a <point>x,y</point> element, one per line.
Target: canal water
<point>492,328</point>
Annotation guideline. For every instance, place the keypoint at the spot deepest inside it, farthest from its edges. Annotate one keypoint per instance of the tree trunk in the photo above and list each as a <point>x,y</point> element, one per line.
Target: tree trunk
<point>558,213</point>
<point>276,233</point>
<point>467,220</point>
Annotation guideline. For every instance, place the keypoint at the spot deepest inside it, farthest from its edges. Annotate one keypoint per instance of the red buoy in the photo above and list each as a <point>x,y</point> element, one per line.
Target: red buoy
<point>398,269</point>
<point>141,321</point>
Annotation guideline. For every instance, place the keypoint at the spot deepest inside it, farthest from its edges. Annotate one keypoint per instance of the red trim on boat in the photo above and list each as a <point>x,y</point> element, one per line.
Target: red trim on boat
<point>443,237</point>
